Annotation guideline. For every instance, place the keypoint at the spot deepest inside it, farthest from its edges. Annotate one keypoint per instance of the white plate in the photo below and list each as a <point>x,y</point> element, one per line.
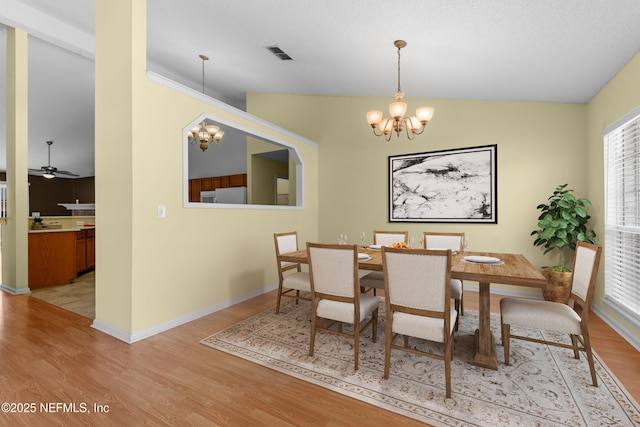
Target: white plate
<point>483,259</point>
<point>375,246</point>
<point>363,256</point>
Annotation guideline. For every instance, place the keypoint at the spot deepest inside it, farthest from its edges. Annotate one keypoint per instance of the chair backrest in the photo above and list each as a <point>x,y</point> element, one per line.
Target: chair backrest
<point>451,241</point>
<point>388,237</point>
<point>585,273</point>
<point>333,269</point>
<point>418,278</point>
<point>286,242</point>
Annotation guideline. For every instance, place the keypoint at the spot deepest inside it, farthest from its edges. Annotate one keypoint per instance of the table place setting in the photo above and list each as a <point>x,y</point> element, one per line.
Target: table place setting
<point>477,259</point>
<point>363,257</point>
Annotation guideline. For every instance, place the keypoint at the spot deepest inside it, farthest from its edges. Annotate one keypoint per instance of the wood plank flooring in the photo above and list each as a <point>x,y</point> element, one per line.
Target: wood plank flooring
<point>50,355</point>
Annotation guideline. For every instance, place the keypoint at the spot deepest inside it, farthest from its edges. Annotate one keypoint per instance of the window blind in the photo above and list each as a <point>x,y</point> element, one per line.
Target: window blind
<point>622,216</point>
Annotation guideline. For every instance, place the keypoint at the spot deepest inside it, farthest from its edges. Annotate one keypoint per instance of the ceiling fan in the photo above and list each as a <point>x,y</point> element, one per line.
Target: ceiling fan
<point>50,171</point>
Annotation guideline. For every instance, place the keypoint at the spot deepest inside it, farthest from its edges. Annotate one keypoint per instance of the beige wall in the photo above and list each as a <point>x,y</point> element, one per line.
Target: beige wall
<point>153,271</point>
<point>619,97</point>
<point>535,141</point>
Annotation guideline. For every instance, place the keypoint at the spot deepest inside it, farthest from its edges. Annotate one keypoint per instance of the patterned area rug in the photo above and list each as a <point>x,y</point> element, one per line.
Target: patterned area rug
<point>544,386</point>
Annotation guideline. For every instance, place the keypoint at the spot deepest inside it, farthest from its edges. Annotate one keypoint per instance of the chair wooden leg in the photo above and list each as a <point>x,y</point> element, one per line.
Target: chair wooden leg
<point>506,337</point>
<point>587,349</point>
<point>406,341</point>
<point>279,297</point>
<point>387,349</point>
<point>297,296</point>
<point>447,365</point>
<point>461,300</point>
<point>356,343</point>
<point>312,340</point>
<point>576,348</point>
<point>374,326</point>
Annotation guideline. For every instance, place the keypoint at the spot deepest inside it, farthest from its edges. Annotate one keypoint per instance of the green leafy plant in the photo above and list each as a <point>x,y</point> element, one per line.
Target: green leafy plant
<point>37,220</point>
<point>562,222</point>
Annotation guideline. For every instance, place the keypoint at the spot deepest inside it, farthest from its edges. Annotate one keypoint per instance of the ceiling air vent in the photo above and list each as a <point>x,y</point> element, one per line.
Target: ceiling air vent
<point>279,53</point>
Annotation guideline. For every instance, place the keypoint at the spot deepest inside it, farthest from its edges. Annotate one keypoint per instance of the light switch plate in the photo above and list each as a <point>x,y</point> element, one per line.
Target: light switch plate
<point>162,211</point>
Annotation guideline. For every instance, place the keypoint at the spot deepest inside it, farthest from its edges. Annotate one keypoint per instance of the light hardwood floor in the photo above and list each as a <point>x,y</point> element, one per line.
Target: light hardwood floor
<point>52,355</point>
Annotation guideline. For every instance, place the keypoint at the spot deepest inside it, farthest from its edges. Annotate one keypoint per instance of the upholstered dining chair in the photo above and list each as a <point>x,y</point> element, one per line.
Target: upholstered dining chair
<point>290,284</point>
<point>453,241</point>
<point>336,296</point>
<point>556,316</point>
<point>375,279</point>
<point>418,303</point>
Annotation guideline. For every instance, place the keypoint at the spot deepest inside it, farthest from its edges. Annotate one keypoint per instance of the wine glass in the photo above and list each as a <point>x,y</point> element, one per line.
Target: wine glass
<point>422,241</point>
<point>465,241</point>
<point>411,242</point>
<point>362,237</point>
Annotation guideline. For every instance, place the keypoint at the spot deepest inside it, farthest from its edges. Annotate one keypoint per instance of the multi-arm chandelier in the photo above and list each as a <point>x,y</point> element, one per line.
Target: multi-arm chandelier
<point>204,133</point>
<point>413,125</point>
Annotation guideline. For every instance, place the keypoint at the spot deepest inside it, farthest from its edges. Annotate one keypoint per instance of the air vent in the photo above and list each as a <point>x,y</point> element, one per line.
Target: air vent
<point>279,53</point>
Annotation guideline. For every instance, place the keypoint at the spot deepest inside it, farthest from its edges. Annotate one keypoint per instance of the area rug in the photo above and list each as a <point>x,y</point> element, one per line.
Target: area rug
<point>544,386</point>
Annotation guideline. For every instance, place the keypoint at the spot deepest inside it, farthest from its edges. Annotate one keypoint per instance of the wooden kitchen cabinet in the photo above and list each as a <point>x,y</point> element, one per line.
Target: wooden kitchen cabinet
<point>51,258</point>
<point>91,248</point>
<point>85,250</point>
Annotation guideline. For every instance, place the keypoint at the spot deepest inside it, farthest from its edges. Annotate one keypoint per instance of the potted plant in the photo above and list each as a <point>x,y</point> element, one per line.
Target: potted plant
<point>562,223</point>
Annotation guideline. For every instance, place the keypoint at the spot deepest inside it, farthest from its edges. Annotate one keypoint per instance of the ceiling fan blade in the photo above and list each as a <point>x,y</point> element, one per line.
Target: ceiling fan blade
<point>66,173</point>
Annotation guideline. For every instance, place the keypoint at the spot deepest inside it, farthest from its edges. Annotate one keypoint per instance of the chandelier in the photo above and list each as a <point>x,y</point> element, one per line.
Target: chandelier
<point>205,133</point>
<point>413,125</point>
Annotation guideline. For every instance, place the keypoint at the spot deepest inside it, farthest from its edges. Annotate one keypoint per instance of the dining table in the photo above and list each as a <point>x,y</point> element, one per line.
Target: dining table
<point>510,269</point>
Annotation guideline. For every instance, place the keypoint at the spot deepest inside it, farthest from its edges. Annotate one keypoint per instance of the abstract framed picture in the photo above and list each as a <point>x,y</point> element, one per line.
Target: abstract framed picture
<point>448,186</point>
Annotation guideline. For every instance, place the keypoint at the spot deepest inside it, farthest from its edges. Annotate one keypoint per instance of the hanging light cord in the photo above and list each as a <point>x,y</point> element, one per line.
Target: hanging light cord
<point>399,71</point>
<point>203,76</point>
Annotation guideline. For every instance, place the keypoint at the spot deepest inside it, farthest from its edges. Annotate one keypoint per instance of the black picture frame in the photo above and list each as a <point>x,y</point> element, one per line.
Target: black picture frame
<point>447,186</point>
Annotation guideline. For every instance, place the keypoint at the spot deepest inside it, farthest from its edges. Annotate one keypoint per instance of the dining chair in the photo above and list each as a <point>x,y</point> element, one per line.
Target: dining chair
<point>453,241</point>
<point>336,296</point>
<point>288,283</point>
<point>375,279</point>
<point>418,303</point>
<point>556,316</point>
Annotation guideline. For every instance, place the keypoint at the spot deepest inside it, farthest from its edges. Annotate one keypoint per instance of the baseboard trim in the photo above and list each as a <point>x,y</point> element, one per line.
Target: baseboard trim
<point>13,291</point>
<point>617,326</point>
<point>138,336</point>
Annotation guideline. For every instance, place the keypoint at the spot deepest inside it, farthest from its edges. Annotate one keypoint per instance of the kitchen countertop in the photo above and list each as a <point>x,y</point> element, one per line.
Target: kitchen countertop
<point>61,230</point>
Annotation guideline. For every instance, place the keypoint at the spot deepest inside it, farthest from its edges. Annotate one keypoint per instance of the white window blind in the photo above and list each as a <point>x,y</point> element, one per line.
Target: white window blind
<point>622,216</point>
<point>3,199</point>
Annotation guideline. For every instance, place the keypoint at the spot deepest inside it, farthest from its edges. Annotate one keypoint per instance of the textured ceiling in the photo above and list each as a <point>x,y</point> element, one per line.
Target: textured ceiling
<point>544,50</point>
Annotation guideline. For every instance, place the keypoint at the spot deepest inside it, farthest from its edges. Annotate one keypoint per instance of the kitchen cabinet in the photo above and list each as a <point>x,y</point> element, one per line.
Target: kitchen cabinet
<point>196,185</point>
<point>85,250</point>
<point>51,260</point>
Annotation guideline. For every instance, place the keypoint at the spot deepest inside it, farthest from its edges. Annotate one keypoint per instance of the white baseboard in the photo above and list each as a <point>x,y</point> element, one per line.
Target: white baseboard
<point>131,338</point>
<point>618,327</point>
<point>13,291</point>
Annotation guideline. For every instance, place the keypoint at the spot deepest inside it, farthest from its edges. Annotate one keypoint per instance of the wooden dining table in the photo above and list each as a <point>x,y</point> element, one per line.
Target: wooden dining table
<point>514,270</point>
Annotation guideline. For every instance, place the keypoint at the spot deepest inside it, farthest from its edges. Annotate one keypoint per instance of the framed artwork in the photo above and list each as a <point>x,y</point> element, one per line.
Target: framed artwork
<point>449,186</point>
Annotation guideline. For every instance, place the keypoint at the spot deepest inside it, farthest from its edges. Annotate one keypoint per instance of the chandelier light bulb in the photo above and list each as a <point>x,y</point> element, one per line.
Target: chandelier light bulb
<point>374,118</point>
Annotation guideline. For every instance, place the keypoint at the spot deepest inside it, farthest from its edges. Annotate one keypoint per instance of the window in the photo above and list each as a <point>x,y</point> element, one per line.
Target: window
<point>622,216</point>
